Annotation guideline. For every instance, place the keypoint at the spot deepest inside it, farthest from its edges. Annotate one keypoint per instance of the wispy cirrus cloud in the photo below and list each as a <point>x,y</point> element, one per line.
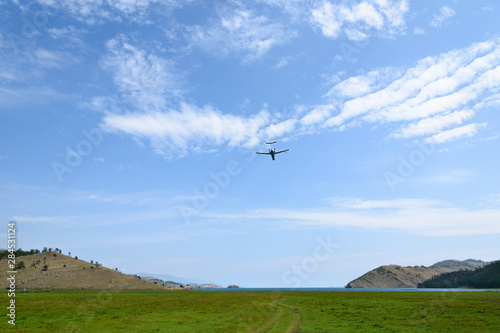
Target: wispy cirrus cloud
<point>241,31</point>
<point>147,80</point>
<point>98,11</point>
<point>357,21</point>
<point>450,177</point>
<point>37,219</point>
<point>419,216</point>
<point>445,14</point>
<point>434,124</point>
<point>456,133</point>
<point>435,97</point>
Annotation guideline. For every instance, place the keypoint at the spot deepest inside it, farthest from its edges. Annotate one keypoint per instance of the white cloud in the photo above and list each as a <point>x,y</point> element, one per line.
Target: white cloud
<point>359,20</point>
<point>28,96</point>
<point>456,133</point>
<point>317,115</point>
<point>444,15</point>
<point>173,133</point>
<point>31,66</point>
<point>67,32</point>
<point>419,31</point>
<point>423,99</point>
<point>284,61</point>
<point>450,177</point>
<point>357,86</point>
<point>71,34</point>
<point>351,203</point>
<point>37,219</point>
<point>434,124</point>
<point>99,11</point>
<point>418,216</point>
<point>240,31</point>
<point>493,201</point>
<point>52,59</point>
<point>146,79</point>
<point>296,9</point>
<point>277,130</point>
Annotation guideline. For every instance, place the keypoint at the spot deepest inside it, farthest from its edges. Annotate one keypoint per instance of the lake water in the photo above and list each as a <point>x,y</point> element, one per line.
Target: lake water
<point>348,289</point>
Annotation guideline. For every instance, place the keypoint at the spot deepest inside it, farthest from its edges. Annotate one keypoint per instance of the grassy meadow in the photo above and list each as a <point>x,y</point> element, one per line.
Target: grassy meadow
<point>255,311</point>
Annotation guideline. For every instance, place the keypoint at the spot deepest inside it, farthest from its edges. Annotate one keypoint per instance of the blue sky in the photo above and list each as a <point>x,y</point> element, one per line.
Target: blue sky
<point>129,131</point>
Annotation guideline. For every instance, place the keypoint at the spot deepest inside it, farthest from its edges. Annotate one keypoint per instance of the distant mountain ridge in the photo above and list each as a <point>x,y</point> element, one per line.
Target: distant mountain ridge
<point>171,279</point>
<point>395,276</point>
<point>168,277</point>
<point>459,265</point>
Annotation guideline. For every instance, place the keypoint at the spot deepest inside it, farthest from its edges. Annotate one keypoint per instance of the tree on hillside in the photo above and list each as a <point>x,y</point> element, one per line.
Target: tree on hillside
<point>484,277</point>
<point>18,253</point>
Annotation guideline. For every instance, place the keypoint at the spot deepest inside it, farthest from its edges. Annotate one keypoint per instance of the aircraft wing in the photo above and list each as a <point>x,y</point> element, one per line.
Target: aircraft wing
<point>263,153</point>
<point>282,151</point>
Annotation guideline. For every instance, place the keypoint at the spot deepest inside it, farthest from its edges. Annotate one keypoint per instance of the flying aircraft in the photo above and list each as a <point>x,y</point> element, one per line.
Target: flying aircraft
<point>272,151</point>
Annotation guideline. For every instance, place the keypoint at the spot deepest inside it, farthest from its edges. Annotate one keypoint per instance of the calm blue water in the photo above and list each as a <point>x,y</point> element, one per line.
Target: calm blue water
<point>346,289</point>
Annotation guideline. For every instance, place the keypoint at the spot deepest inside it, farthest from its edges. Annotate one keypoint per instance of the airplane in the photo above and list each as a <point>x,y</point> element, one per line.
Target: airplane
<point>272,151</point>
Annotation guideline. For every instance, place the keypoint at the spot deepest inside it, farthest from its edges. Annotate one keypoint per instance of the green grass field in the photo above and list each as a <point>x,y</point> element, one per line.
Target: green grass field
<point>255,311</point>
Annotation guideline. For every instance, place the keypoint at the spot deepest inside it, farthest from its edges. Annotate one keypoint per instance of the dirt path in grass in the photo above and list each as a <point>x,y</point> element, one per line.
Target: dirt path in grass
<point>292,326</point>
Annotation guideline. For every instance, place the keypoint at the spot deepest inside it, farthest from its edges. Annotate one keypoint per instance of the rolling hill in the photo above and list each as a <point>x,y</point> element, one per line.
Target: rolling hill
<point>394,276</point>
<point>52,270</point>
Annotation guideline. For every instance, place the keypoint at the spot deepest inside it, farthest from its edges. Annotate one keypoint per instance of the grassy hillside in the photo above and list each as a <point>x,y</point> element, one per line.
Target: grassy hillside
<point>53,270</point>
<point>485,277</point>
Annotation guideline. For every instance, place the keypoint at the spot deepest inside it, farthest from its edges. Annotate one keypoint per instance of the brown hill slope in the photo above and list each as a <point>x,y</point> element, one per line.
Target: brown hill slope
<point>394,276</point>
<point>64,272</point>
